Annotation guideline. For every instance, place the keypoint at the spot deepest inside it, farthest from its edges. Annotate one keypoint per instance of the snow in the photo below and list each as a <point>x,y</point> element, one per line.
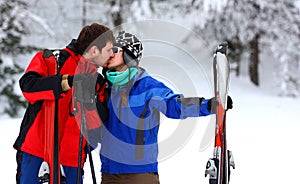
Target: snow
<point>262,128</point>
<point>262,133</point>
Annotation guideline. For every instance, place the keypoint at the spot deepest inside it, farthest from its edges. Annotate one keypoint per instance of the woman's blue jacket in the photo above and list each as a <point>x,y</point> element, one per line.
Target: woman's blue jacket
<point>129,137</point>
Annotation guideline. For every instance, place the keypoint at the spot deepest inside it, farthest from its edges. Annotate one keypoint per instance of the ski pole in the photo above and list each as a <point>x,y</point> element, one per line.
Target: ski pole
<point>83,131</point>
<point>84,128</point>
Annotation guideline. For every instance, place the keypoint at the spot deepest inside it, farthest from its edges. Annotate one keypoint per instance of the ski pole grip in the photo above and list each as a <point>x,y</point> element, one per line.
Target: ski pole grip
<point>222,48</point>
<point>78,90</point>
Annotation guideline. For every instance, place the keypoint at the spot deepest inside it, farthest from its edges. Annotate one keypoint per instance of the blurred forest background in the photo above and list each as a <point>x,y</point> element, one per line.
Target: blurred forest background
<point>258,32</point>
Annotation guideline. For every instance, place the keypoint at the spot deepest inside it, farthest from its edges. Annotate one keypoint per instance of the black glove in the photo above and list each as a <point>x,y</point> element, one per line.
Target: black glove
<point>229,103</point>
<point>213,103</point>
<point>84,85</point>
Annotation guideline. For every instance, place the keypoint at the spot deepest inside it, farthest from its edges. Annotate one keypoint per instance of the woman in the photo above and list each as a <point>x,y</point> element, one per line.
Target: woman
<point>129,148</point>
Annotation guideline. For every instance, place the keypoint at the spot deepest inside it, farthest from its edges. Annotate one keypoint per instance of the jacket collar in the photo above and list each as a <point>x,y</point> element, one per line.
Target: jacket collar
<point>73,46</point>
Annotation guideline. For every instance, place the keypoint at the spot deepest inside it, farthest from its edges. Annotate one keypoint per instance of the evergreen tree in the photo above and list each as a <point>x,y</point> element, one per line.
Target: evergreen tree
<point>236,23</point>
<point>255,25</point>
<point>11,31</point>
<point>283,38</point>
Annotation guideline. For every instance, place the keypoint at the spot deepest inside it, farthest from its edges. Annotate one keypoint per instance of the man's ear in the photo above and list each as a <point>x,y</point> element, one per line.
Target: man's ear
<point>93,50</point>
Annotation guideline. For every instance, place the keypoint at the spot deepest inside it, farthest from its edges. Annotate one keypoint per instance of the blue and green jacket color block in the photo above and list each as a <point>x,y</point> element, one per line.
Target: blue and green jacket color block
<point>129,137</point>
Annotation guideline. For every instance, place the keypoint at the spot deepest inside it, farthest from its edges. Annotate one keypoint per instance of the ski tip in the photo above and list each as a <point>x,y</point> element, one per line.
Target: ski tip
<point>222,48</point>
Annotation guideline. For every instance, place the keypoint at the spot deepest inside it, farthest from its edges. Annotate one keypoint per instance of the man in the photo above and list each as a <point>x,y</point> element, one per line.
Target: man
<point>129,148</point>
<point>47,80</point>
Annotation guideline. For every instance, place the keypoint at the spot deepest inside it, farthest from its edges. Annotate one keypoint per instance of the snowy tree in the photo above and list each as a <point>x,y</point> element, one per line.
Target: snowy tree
<point>231,23</point>
<point>123,11</point>
<point>11,31</point>
<point>251,26</point>
<point>283,38</point>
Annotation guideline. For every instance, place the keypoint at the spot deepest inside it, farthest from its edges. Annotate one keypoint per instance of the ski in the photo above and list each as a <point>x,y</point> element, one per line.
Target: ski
<point>51,171</point>
<point>55,175</point>
<point>218,167</point>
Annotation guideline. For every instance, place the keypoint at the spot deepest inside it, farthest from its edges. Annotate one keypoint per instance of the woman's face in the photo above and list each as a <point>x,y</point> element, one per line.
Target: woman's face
<point>116,62</point>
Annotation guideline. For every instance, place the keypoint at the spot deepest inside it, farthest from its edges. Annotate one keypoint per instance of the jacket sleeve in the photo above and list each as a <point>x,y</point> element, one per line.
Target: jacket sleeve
<point>36,84</point>
<point>176,105</point>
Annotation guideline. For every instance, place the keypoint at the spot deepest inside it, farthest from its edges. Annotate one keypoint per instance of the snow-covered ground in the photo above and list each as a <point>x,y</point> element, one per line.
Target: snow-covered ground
<point>262,133</point>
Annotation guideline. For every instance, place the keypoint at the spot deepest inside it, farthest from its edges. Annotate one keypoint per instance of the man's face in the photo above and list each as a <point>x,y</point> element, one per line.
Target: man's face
<point>116,62</point>
<point>100,58</point>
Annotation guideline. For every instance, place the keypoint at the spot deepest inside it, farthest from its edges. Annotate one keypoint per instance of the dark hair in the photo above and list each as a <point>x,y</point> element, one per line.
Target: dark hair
<point>94,34</point>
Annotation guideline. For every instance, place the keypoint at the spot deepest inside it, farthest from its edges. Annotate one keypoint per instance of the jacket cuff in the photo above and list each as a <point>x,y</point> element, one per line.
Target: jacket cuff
<point>204,108</point>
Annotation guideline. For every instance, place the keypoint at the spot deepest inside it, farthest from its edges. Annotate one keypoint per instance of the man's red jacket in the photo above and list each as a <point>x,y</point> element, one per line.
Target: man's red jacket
<point>40,86</point>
